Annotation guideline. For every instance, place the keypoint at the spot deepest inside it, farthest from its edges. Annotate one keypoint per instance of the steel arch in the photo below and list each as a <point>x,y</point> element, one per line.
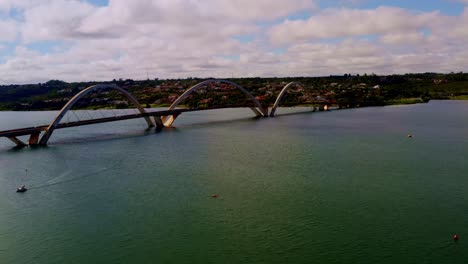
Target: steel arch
<point>50,129</point>
<point>259,112</point>
<point>281,94</point>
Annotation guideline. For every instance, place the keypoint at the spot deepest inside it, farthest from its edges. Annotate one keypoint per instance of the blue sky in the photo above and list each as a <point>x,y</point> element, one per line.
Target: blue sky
<point>99,2</point>
<point>446,7</point>
<point>99,40</point>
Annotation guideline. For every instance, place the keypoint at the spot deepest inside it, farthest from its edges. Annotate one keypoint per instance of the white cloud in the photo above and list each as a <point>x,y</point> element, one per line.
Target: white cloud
<point>349,56</point>
<point>260,9</point>
<point>56,20</point>
<point>8,30</point>
<point>9,5</point>
<point>182,38</point>
<point>335,23</point>
<point>75,19</point>
<point>457,28</point>
<point>403,38</point>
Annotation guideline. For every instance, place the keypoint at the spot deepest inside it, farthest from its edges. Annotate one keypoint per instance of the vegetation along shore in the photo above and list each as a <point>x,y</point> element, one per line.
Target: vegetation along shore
<point>344,91</point>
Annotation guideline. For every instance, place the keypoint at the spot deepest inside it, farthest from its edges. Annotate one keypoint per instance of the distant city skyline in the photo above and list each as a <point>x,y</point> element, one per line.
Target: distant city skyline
<point>101,40</point>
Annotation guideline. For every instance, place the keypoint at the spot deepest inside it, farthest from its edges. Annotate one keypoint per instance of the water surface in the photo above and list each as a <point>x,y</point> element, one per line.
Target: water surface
<point>326,187</point>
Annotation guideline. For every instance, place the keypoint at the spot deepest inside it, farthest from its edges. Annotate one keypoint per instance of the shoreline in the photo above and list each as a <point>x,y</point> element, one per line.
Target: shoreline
<point>403,101</point>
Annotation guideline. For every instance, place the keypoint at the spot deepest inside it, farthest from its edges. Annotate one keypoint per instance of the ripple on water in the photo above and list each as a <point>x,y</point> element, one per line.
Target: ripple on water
<point>336,187</point>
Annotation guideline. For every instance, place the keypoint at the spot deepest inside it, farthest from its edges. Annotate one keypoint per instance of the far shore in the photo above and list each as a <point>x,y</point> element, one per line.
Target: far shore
<point>402,101</point>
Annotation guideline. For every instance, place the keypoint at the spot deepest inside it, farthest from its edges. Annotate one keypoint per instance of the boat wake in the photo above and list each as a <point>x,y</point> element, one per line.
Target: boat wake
<point>61,178</point>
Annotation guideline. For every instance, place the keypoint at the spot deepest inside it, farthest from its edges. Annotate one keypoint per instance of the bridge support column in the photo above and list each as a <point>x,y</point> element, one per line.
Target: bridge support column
<point>34,138</point>
<point>159,123</point>
<point>273,110</point>
<point>265,110</point>
<point>17,141</point>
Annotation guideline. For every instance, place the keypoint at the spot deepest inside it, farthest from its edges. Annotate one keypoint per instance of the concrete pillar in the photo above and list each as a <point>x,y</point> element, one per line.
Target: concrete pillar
<point>34,138</point>
<point>159,123</point>
<point>265,109</point>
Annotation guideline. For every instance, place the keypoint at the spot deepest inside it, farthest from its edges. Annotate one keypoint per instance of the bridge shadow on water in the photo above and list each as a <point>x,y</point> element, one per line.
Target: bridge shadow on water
<point>17,149</point>
<point>101,137</point>
<point>213,123</point>
<point>111,137</point>
<point>238,120</point>
<point>304,112</point>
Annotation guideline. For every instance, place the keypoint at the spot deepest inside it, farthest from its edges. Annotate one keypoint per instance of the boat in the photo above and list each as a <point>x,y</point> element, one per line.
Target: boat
<point>21,189</point>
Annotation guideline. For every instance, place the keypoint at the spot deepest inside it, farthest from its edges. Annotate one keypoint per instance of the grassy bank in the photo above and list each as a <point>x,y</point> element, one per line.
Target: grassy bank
<point>404,101</point>
<point>458,97</point>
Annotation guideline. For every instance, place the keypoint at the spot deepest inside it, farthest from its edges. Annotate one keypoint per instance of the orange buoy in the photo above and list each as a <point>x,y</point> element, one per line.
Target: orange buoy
<point>455,237</point>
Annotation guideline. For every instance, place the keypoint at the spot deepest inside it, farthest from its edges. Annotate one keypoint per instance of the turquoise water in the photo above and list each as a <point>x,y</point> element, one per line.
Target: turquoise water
<point>325,187</point>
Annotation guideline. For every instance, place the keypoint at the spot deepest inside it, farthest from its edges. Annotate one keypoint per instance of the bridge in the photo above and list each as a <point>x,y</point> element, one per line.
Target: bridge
<point>157,119</point>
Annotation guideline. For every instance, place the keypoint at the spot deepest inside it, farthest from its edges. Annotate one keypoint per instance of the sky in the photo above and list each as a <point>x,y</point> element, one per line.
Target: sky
<point>101,40</point>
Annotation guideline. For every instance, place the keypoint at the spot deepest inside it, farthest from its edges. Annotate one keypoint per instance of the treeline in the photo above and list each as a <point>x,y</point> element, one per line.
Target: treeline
<point>345,90</point>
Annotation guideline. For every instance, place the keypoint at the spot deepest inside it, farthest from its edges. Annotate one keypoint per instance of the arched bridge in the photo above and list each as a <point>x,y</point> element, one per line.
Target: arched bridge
<point>161,119</point>
<point>258,109</point>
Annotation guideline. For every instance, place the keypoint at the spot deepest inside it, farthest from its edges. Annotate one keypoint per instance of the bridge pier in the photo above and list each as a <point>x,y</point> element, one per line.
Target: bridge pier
<point>272,114</point>
<point>159,123</point>
<point>34,138</point>
<point>265,110</point>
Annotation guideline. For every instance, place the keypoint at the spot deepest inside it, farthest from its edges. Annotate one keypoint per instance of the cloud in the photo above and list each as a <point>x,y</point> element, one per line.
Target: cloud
<point>183,38</point>
<point>457,29</point>
<point>403,38</point>
<point>76,19</point>
<point>349,56</point>
<point>166,37</point>
<point>335,23</point>
<point>54,20</point>
<point>7,5</point>
<point>8,30</point>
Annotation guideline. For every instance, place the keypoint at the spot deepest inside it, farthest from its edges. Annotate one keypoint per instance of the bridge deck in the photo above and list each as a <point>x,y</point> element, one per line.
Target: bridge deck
<point>37,129</point>
<point>22,131</point>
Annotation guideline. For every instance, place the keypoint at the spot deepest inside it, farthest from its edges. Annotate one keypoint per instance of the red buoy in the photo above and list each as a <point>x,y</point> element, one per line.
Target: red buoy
<point>455,237</point>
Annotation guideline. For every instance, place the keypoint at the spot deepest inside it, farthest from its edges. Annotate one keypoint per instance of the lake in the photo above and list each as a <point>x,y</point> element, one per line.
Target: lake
<point>345,186</point>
